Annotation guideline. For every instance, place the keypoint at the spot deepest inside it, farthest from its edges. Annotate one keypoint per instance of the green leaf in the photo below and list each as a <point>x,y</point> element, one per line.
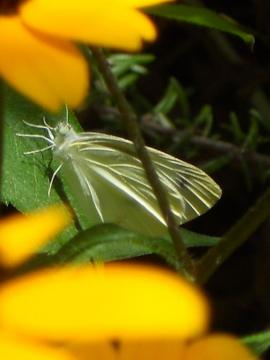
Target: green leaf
<point>193,239</point>
<point>126,63</point>
<point>129,67</point>
<point>202,17</point>
<point>235,128</point>
<point>173,93</point>
<point>26,177</point>
<point>259,343</point>
<point>109,242</point>
<point>217,163</point>
<point>205,118</point>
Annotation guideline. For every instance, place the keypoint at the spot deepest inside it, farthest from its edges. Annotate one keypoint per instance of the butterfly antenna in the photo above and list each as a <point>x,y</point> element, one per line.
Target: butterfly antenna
<point>53,177</point>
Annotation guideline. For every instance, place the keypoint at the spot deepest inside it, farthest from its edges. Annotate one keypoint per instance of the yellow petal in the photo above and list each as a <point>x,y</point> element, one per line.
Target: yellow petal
<point>145,350</point>
<point>103,23</point>
<point>118,301</point>
<point>218,347</point>
<point>51,72</point>
<point>15,348</point>
<point>130,350</point>
<point>22,235</point>
<point>142,3</point>
<point>95,351</point>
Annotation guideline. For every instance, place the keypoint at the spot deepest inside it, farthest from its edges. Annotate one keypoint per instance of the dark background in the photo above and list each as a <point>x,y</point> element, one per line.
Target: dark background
<point>223,72</point>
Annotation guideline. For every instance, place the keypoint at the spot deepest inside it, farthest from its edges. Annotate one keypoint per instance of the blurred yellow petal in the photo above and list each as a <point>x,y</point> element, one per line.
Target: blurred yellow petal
<point>22,235</point>
<point>130,350</point>
<point>52,72</point>
<point>95,351</point>
<point>218,347</point>
<point>15,348</point>
<point>103,23</point>
<point>146,350</point>
<point>142,3</point>
<point>117,301</point>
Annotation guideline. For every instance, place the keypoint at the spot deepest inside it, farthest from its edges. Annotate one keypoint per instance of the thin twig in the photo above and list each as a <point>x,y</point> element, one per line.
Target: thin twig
<point>234,238</point>
<point>237,153</point>
<point>131,124</point>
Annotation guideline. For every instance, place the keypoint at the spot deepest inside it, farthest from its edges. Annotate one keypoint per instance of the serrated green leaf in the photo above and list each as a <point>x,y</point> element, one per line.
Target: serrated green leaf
<point>202,17</point>
<point>26,177</point>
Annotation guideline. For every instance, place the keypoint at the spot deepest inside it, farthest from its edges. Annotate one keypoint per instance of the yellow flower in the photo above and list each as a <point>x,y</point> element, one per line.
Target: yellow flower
<point>93,304</point>
<point>22,235</point>
<point>38,56</point>
<point>111,312</point>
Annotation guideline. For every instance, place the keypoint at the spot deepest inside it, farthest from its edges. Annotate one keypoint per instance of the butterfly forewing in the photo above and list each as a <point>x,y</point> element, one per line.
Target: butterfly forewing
<point>113,179</point>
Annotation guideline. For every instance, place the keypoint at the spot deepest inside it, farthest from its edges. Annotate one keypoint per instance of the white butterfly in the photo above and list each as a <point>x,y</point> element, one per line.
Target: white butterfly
<point>105,173</point>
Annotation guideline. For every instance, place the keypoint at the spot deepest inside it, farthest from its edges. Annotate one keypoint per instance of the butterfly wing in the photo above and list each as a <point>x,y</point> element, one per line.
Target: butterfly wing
<point>113,180</point>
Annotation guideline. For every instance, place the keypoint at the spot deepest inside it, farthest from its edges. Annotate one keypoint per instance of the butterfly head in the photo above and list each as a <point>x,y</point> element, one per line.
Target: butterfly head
<point>64,135</point>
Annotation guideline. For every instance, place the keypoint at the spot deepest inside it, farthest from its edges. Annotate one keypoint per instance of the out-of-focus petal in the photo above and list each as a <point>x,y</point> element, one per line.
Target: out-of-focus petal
<point>142,3</point>
<point>117,301</point>
<point>15,348</point>
<point>218,347</point>
<point>130,350</point>
<point>106,350</point>
<point>145,350</point>
<point>103,23</point>
<point>22,235</point>
<point>50,71</point>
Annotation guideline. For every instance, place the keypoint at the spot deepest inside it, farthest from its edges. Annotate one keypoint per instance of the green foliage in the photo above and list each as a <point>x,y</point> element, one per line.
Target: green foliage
<point>128,68</point>
<point>174,94</point>
<point>110,242</point>
<point>202,17</point>
<point>25,186</point>
<point>259,343</point>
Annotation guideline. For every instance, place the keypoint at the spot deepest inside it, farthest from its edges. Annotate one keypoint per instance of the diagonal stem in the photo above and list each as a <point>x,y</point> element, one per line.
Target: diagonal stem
<point>130,122</point>
<point>234,238</point>
<point>1,134</point>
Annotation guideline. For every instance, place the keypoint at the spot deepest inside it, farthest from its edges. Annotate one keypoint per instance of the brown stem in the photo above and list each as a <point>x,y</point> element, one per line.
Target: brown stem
<point>237,153</point>
<point>131,124</point>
